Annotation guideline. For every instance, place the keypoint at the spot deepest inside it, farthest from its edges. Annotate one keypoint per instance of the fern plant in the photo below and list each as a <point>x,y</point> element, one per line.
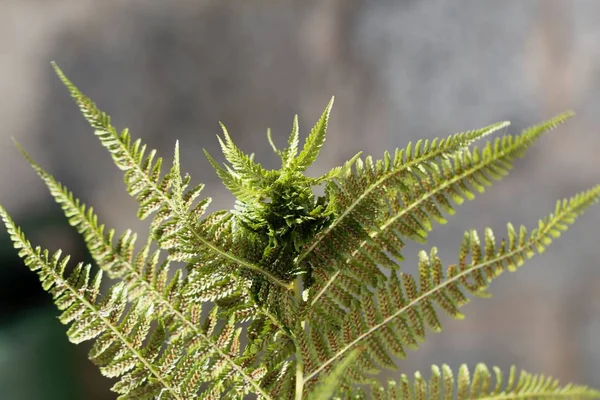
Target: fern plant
<point>290,295</point>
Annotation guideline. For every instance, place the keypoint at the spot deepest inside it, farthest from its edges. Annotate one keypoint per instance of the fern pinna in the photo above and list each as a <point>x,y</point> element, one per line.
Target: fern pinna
<point>290,295</point>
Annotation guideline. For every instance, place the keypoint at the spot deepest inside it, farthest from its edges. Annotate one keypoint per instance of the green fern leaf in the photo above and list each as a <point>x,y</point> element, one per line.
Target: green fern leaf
<point>389,170</point>
<point>142,178</point>
<point>384,204</point>
<point>244,166</point>
<point>119,350</point>
<point>76,297</point>
<point>288,155</point>
<point>236,185</point>
<point>443,383</point>
<point>395,316</point>
<point>313,143</point>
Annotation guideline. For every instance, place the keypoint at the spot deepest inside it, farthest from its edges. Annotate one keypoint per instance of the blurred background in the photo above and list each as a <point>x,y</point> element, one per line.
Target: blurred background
<point>400,70</point>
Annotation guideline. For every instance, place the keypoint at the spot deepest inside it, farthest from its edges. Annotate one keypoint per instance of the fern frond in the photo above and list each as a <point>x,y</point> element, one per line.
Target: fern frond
<point>143,276</point>
<point>236,185</point>
<point>85,220</point>
<point>142,172</point>
<point>167,196</point>
<point>244,166</point>
<point>288,155</point>
<point>443,384</point>
<point>395,315</point>
<point>119,349</point>
<point>121,331</point>
<point>337,171</point>
<point>314,142</point>
<point>144,280</point>
<point>388,170</point>
<point>384,203</point>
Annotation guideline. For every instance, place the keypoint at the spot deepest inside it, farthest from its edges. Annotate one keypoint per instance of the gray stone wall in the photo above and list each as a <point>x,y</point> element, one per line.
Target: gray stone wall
<point>400,70</point>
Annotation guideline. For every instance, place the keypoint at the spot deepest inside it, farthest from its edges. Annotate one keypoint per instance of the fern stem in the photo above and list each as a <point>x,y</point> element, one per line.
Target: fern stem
<point>299,374</point>
<point>299,361</point>
<point>539,234</point>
